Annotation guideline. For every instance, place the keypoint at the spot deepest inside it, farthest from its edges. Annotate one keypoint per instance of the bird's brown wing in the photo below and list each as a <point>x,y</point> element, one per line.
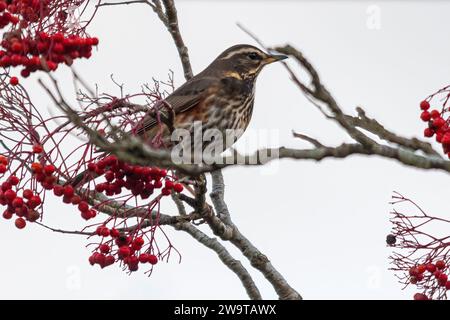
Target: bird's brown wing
<point>181,100</point>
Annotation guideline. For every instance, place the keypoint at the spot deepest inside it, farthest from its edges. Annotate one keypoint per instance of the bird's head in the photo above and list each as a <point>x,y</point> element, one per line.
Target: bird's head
<point>243,61</point>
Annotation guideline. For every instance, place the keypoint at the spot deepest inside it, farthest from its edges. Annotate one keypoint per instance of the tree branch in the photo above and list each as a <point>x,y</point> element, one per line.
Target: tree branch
<point>170,20</point>
<point>256,258</point>
<point>224,256</point>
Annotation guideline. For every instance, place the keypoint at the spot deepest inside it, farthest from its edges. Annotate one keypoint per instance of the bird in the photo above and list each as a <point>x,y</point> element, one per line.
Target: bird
<point>221,98</point>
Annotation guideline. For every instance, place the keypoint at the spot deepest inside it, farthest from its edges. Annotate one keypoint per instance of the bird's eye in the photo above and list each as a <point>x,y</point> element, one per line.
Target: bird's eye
<point>254,56</point>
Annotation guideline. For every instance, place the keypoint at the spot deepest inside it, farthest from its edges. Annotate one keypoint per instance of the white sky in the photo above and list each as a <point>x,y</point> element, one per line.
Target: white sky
<point>322,225</point>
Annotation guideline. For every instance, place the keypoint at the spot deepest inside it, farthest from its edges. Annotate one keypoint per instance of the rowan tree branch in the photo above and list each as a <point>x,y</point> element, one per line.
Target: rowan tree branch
<point>223,254</point>
<point>170,19</point>
<point>257,259</point>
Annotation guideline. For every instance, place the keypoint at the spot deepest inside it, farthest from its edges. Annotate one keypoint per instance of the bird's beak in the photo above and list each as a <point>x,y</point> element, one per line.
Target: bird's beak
<point>274,58</point>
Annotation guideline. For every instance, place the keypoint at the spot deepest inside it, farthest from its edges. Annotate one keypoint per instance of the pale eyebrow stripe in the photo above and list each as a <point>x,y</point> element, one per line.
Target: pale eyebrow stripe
<point>243,50</point>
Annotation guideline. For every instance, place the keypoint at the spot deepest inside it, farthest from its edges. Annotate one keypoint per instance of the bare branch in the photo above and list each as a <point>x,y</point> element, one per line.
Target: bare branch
<point>373,126</point>
<point>223,254</point>
<point>173,28</point>
<point>256,258</point>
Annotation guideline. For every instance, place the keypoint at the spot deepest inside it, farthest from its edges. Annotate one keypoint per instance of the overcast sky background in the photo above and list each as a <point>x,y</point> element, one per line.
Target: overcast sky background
<point>323,225</point>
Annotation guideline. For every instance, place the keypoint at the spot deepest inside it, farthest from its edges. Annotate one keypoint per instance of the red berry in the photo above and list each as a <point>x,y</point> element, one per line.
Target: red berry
<point>435,114</point>
<point>86,215</point>
<point>446,138</point>
<point>32,215</point>
<point>37,148</point>
<point>49,169</point>
<point>157,184</point>
<point>425,116</point>
<point>36,167</point>
<point>165,191</point>
<point>100,187</point>
<point>17,202</point>
<point>413,271</point>
<point>447,285</point>
<point>92,259</point>
<point>3,168</point>
<point>58,48</point>
<point>421,268</point>
<point>58,190</point>
<point>3,160</point>
<point>143,258</point>
<point>104,248</point>
<point>178,187</point>
<point>20,223</point>
<point>138,243</point>
<point>69,191</point>
<point>168,184</point>
<point>152,259</point>
<point>109,176</point>
<point>420,296</point>
<point>17,47</point>
<point>437,274</point>
<point>440,264</point>
<point>133,263</point>
<point>91,166</point>
<point>14,19</point>
<point>109,260</point>
<point>27,193</point>
<point>52,66</point>
<point>7,214</point>
<point>6,186</point>
<point>58,37</point>
<point>114,233</point>
<point>438,122</point>
<point>431,267</point>
<point>75,200</point>
<point>83,206</point>
<point>105,232</point>
<point>13,180</point>
<point>34,201</point>
<point>424,105</point>
<point>10,195</point>
<point>14,81</point>
<point>93,213</point>
<point>25,73</point>
<point>99,258</point>
<point>428,132</point>
<point>111,160</point>
<point>124,251</point>
<point>98,231</point>
<point>443,279</point>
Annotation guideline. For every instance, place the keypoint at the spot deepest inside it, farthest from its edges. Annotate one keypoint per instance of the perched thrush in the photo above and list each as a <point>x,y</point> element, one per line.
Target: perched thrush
<point>220,97</point>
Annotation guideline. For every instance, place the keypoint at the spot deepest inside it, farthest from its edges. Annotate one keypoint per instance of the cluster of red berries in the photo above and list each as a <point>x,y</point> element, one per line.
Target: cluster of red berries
<point>45,52</point>
<point>31,11</point>
<point>116,246</point>
<point>125,247</point>
<point>24,207</point>
<point>141,181</point>
<point>428,272</point>
<point>44,174</point>
<point>6,17</point>
<point>37,50</point>
<point>437,125</point>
